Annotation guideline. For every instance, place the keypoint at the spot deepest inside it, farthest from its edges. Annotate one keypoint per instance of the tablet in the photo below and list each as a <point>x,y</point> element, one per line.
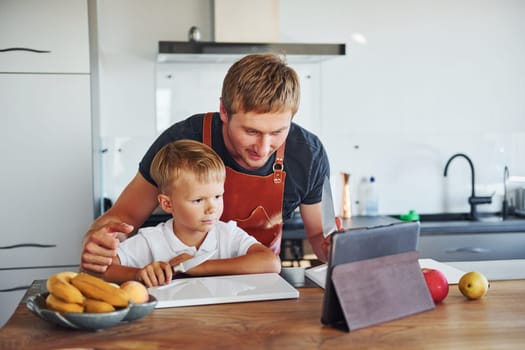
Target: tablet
<point>223,289</point>
<point>361,244</point>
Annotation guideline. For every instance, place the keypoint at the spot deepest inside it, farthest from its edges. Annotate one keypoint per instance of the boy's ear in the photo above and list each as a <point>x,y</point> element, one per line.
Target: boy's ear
<point>165,202</point>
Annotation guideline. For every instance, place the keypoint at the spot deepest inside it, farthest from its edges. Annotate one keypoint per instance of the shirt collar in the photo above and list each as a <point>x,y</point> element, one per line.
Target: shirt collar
<point>210,242</point>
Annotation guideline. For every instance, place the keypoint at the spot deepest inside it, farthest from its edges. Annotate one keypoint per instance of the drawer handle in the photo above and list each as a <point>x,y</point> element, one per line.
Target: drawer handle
<point>14,289</point>
<point>34,245</point>
<point>24,49</point>
<point>469,250</point>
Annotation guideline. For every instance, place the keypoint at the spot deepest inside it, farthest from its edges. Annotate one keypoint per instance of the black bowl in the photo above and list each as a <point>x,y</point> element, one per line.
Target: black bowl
<point>140,310</point>
<point>75,320</point>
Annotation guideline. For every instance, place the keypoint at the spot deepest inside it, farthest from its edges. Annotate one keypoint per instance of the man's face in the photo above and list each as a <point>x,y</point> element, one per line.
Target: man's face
<point>251,138</point>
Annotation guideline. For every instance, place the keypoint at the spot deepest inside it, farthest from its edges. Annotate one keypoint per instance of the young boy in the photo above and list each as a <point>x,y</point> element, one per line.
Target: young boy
<point>190,176</point>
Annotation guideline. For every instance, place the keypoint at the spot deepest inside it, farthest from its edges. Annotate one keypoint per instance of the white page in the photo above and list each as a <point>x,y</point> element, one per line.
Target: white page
<point>451,273</point>
<point>318,274</point>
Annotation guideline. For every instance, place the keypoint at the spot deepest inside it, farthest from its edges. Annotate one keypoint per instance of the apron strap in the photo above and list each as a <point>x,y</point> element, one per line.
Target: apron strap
<point>278,165</point>
<point>206,129</point>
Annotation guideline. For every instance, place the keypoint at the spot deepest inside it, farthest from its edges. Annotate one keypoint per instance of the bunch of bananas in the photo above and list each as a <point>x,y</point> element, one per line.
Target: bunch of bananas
<point>81,292</point>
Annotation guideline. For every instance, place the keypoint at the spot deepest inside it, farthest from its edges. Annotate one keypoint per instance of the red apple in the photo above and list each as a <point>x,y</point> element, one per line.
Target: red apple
<point>437,284</point>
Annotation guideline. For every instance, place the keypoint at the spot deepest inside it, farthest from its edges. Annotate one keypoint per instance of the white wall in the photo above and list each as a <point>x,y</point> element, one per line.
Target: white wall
<point>434,78</point>
<point>129,32</point>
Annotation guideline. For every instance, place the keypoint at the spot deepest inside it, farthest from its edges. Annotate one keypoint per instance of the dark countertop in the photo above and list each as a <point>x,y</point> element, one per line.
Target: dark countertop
<point>457,223</point>
<point>293,228</point>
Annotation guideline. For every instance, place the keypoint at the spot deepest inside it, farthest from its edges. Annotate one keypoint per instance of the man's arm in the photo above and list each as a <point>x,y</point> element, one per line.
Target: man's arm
<point>132,208</point>
<point>313,226</point>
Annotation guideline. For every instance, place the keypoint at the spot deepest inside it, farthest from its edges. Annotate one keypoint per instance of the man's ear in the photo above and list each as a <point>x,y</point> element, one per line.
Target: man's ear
<point>164,202</point>
<point>223,113</point>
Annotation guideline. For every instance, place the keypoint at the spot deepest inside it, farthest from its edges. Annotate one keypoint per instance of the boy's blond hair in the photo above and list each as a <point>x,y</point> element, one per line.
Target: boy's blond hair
<point>186,156</point>
<point>260,83</point>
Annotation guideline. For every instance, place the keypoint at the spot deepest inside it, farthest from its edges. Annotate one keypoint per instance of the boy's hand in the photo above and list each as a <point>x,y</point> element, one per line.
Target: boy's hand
<point>179,259</point>
<point>155,274</point>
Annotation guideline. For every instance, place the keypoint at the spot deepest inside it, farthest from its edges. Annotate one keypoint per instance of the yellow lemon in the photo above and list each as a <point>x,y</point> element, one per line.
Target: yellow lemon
<point>473,285</point>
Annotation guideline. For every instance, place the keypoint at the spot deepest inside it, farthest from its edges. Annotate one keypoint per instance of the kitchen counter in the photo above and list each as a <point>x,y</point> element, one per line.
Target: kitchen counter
<point>447,240</point>
<point>511,224</point>
<point>293,228</point>
<point>495,321</point>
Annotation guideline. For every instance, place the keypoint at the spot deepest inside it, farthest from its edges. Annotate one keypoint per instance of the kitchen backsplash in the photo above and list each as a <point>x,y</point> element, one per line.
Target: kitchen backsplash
<point>408,168</point>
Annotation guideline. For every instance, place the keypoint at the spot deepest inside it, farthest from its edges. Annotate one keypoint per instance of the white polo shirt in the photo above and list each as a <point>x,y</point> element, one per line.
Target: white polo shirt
<point>160,243</point>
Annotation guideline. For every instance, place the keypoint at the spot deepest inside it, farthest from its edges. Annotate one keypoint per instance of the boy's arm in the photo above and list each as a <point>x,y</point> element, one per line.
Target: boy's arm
<point>154,274</point>
<point>258,259</point>
<point>118,273</point>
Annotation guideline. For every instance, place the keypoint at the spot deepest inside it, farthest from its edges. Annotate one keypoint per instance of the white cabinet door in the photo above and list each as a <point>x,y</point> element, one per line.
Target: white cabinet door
<point>46,170</point>
<point>59,28</point>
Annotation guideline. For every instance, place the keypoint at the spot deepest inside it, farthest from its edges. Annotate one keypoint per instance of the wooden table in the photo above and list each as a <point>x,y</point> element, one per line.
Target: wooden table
<point>496,321</point>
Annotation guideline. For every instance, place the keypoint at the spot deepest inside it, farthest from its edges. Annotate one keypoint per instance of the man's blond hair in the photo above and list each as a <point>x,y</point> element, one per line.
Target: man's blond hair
<point>186,156</point>
<point>261,83</point>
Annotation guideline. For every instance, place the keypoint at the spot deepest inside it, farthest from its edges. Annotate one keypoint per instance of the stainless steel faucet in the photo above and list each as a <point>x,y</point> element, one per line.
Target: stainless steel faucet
<point>473,200</point>
<point>505,204</point>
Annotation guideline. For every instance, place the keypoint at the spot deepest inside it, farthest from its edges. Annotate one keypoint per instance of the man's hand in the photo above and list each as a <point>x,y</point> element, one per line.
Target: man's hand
<point>339,224</point>
<point>100,246</point>
<point>324,251</point>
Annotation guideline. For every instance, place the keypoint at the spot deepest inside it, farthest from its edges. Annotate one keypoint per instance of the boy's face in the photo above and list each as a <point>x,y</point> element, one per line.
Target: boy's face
<point>195,206</point>
<point>251,138</point>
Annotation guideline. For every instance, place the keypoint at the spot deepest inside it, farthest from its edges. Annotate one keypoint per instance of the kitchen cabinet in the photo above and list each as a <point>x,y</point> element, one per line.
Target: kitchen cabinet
<point>19,282</point>
<point>47,194</point>
<point>47,191</point>
<point>49,36</point>
<point>472,247</point>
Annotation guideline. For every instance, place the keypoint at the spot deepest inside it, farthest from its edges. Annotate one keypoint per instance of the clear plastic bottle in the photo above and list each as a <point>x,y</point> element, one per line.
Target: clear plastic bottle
<point>372,198</point>
<point>362,189</point>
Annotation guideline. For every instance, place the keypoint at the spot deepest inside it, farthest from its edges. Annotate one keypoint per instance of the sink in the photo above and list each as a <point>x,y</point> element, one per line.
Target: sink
<point>447,217</point>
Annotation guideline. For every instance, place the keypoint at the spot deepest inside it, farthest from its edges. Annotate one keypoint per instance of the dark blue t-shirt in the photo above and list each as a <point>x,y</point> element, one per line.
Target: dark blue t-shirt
<point>305,160</point>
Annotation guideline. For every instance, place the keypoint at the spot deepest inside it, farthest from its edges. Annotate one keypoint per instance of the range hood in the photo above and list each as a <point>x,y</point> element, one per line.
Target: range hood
<point>201,51</point>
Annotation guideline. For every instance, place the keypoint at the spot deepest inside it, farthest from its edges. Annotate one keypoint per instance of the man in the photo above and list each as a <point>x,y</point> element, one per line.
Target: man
<point>273,165</point>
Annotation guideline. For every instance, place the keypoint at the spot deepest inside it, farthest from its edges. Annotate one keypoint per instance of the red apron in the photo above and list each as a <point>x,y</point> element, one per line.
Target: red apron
<point>254,202</point>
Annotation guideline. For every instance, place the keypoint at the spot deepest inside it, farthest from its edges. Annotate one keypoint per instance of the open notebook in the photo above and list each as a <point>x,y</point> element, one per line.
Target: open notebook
<point>223,289</point>
<point>318,274</point>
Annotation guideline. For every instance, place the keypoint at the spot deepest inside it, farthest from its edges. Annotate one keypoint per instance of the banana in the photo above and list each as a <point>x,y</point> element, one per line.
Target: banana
<point>61,306</point>
<point>98,289</point>
<point>97,306</point>
<point>60,286</point>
